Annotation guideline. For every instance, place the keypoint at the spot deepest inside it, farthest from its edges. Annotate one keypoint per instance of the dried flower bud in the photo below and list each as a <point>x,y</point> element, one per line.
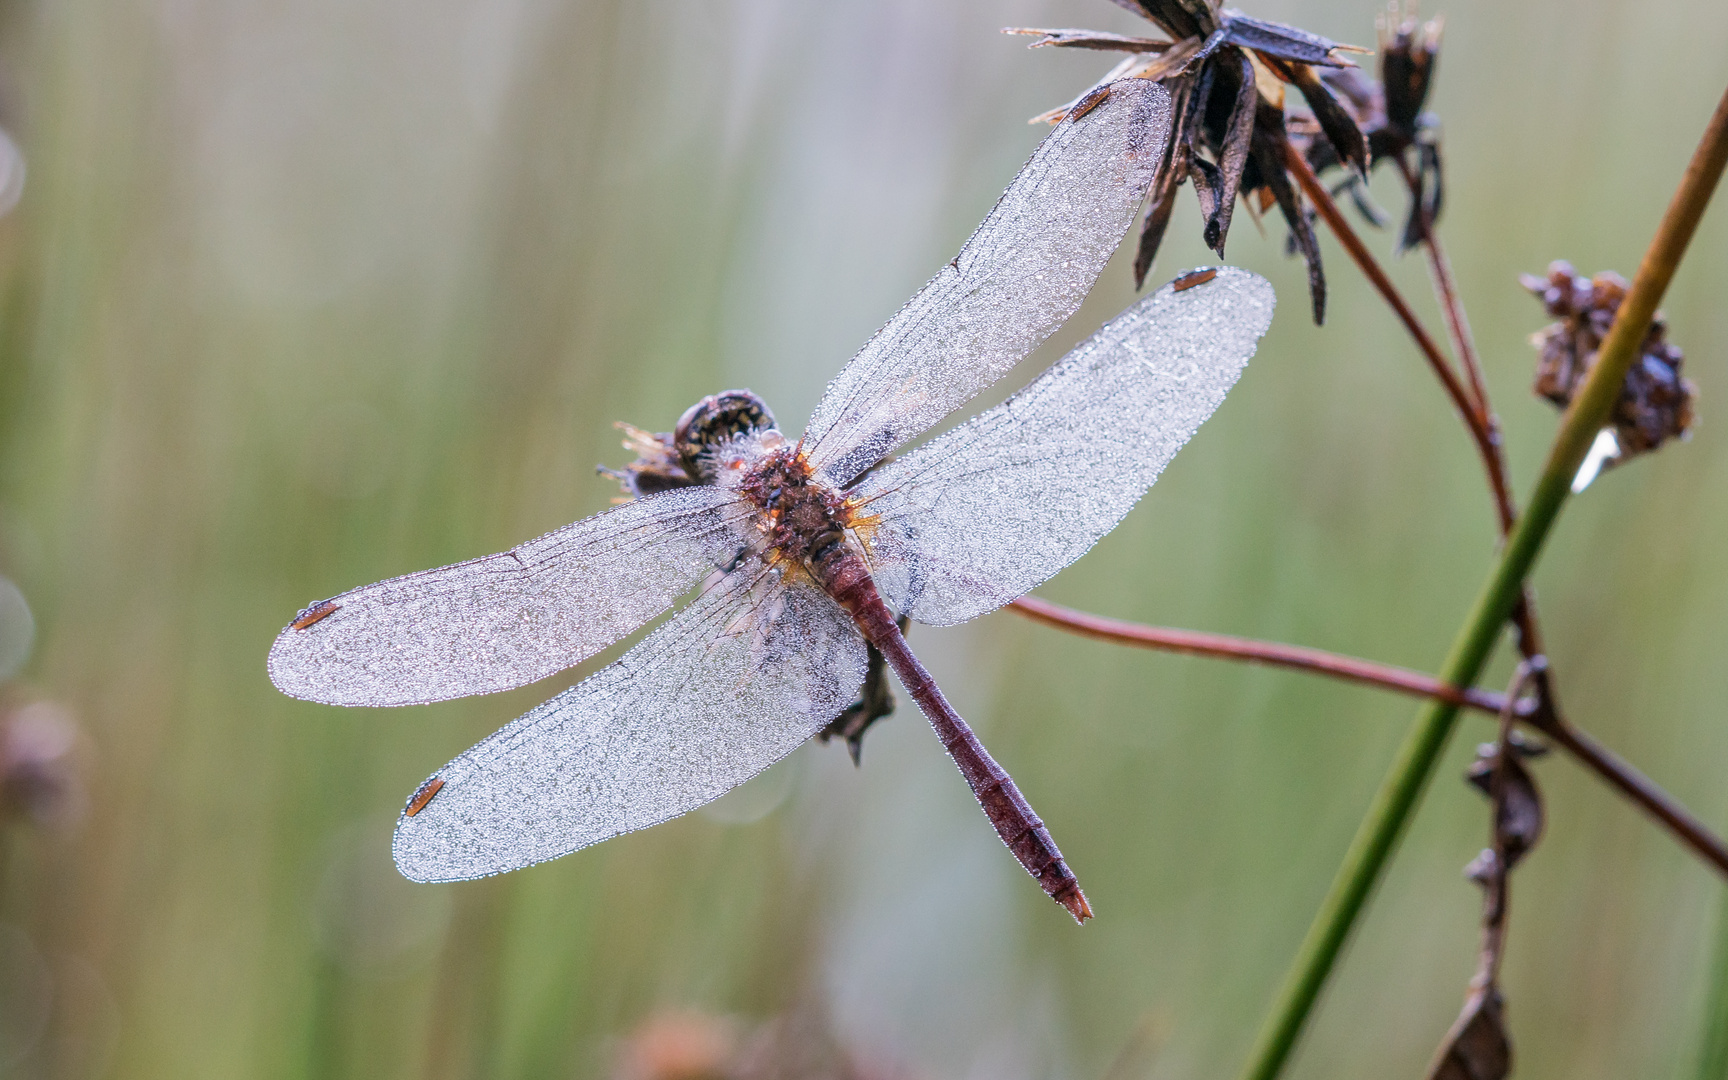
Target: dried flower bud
<point>1655,403</point>
<point>1389,112</point>
<point>1408,51</point>
<point>1520,820</point>
<point>39,778</point>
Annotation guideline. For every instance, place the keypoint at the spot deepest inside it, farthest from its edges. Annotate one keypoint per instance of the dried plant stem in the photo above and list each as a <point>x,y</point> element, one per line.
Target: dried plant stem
<point>1617,773</point>
<point>1495,902</point>
<point>1713,1056</point>
<point>1452,309</point>
<point>1478,1046</point>
<point>1635,786</point>
<point>1464,344</point>
<point>1486,444</point>
<point>1581,745</point>
<point>1478,414</point>
<point>1421,750</point>
<point>1271,653</point>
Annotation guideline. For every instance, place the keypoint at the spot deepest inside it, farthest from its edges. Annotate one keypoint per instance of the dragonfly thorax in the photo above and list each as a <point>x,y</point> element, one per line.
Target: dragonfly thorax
<point>803,518</point>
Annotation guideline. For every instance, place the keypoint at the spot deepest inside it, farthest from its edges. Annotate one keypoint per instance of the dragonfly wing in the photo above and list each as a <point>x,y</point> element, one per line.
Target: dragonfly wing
<point>509,619</point>
<point>991,509</point>
<point>732,684</point>
<point>1017,279</point>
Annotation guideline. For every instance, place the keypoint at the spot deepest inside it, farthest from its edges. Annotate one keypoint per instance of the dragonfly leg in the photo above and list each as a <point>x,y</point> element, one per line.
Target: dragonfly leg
<point>875,702</point>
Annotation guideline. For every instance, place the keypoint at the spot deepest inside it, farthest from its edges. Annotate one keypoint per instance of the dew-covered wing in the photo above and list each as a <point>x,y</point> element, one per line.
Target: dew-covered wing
<point>730,685</point>
<point>1017,279</point>
<point>989,510</point>
<point>512,618</point>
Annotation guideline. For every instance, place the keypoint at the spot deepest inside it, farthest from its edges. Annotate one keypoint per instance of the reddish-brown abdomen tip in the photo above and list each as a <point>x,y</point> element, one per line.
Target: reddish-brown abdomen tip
<point>1076,904</point>
<point>432,787</point>
<point>323,609</point>
<point>1193,278</point>
<point>1089,102</point>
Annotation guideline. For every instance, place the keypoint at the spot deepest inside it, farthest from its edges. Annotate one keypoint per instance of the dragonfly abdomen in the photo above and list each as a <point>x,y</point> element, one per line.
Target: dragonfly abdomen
<point>843,575</point>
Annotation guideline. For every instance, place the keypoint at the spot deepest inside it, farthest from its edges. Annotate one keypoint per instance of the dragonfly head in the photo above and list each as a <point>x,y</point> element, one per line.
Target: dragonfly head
<point>717,420</point>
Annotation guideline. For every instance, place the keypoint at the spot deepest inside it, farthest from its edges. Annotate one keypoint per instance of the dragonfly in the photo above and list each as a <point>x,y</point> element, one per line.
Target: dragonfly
<point>803,555</point>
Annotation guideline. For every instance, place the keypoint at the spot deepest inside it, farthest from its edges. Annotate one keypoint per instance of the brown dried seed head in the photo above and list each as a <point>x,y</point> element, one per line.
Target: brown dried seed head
<point>1225,72</point>
<point>1408,51</point>
<point>1656,402</point>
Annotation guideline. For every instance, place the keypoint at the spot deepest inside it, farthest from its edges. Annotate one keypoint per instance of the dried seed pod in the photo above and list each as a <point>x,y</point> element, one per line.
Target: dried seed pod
<point>1388,109</point>
<point>1521,818</point>
<point>1409,50</point>
<point>1656,402</point>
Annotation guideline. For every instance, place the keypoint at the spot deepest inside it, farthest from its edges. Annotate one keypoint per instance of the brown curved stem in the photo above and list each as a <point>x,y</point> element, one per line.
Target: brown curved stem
<point>1271,653</point>
<point>1478,414</point>
<point>1473,415</point>
<point>1635,786</point>
<point>1581,745</point>
<point>1451,307</point>
<point>1464,344</point>
<point>1551,722</point>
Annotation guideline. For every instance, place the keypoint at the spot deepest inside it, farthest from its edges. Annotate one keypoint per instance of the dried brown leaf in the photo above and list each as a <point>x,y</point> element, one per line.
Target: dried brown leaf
<point>1521,818</point>
<point>1088,39</point>
<point>1477,1047</point>
<point>1268,156</point>
<point>1238,140</point>
<point>875,702</point>
<point>1283,41</point>
<point>1335,121</point>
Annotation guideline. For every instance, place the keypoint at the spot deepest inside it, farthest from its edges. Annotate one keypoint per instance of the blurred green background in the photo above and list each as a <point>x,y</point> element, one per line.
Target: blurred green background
<point>303,296</point>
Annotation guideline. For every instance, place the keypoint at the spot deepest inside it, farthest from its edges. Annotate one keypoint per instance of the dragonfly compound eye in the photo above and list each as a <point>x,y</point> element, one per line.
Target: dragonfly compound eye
<point>716,419</point>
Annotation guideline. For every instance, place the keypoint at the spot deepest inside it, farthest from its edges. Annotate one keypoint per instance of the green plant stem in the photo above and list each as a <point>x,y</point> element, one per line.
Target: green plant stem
<point>1713,1057</point>
<point>1416,758</point>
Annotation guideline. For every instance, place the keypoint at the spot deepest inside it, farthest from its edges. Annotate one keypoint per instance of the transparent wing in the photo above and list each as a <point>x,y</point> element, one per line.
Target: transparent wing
<point>508,619</point>
<point>988,511</point>
<point>732,684</point>
<point>1017,279</point>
